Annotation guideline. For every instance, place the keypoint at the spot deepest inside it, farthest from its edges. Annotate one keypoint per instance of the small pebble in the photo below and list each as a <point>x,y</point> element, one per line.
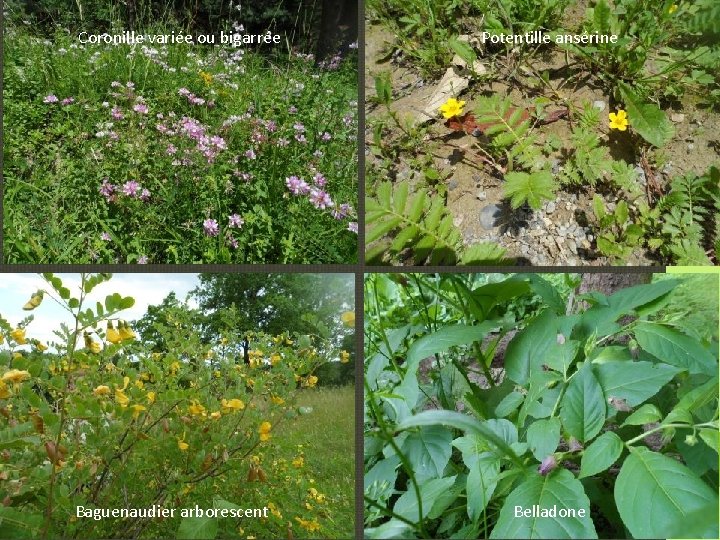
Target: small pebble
<point>550,208</point>
<point>599,105</point>
<point>677,117</point>
<point>489,216</point>
<point>481,196</point>
<point>452,184</point>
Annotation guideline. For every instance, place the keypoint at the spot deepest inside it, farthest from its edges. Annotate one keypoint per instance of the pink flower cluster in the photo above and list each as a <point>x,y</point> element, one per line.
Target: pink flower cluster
<point>193,99</point>
<point>52,98</point>
<point>319,198</point>
<point>130,189</point>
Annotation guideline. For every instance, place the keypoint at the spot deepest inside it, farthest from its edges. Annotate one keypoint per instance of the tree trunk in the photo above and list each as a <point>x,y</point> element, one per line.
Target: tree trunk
<point>338,27</point>
<point>608,283</point>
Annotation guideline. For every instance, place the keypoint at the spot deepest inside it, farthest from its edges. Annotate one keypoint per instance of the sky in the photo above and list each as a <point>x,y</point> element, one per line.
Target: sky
<point>147,289</point>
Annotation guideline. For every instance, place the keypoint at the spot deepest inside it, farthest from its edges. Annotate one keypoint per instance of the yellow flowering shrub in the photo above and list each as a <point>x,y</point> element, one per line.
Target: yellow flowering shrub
<point>177,425</point>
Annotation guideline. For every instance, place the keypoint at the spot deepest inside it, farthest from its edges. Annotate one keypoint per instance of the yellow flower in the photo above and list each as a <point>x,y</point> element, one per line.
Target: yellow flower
<point>19,336</point>
<point>90,344</point>
<point>672,9</point>
<point>4,390</point>
<point>15,376</point>
<point>311,381</point>
<point>17,355</point>
<point>264,431</point>
<point>348,318</point>
<point>207,77</point>
<point>151,397</point>
<point>182,445</point>
<point>101,390</point>
<point>137,409</point>
<point>112,335</point>
<point>277,400</point>
<point>125,331</point>
<point>234,403</point>
<point>34,301</point>
<point>40,346</point>
<point>452,107</point>
<point>274,510</point>
<point>139,384</point>
<point>311,526</point>
<point>2,338</point>
<point>618,121</point>
<point>274,359</point>
<point>121,398</point>
<point>298,461</point>
<point>344,357</point>
<point>289,341</point>
<point>215,415</point>
<point>196,409</point>
<point>174,367</point>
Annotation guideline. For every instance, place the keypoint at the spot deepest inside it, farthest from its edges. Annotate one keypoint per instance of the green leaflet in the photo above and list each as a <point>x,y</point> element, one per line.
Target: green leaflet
<point>633,381</point>
<point>583,406</point>
<point>558,488</point>
<point>676,348</point>
<point>531,188</point>
<point>649,480</point>
<point>601,454</point>
<point>525,352</point>
<point>448,336</point>
<point>543,437</point>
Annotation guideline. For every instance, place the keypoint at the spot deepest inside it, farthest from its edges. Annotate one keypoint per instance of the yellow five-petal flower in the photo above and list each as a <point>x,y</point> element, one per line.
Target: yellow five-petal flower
<point>619,121</point>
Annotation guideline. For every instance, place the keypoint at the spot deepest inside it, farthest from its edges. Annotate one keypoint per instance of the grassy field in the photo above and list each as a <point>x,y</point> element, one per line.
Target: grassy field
<point>325,440</point>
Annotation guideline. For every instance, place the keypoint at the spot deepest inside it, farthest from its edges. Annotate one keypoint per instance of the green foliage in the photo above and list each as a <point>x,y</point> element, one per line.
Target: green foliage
<point>648,120</point>
<point>421,229</point>
<point>531,188</point>
<point>508,130</point>
<point>580,392</point>
<point>618,235</point>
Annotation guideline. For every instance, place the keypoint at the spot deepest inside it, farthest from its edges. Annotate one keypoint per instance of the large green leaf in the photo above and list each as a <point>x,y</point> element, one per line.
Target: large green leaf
<point>655,494</point>
<point>525,352</point>
<point>583,406</point>
<point>633,381</point>
<point>601,454</point>
<point>600,319</point>
<point>673,347</point>
<point>543,437</point>
<point>197,528</point>
<point>481,483</point>
<point>407,505</point>
<point>558,489</point>
<point>647,118</point>
<point>448,336</point>
<point>428,451</point>
<point>465,423</point>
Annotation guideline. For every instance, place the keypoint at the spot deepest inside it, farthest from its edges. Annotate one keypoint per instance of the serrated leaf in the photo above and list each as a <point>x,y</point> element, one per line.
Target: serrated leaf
<point>646,118</point>
<point>400,197</point>
<point>532,188</point>
<point>647,480</point>
<point>583,408</point>
<point>483,253</point>
<point>559,488</point>
<point>601,454</point>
